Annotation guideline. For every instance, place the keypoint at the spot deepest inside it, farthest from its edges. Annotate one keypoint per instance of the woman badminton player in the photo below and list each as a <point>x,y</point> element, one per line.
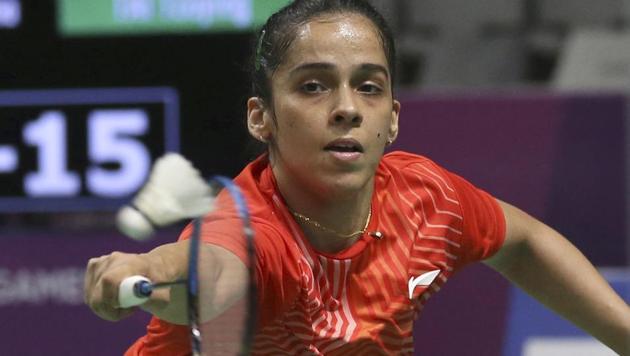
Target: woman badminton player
<point>350,242</point>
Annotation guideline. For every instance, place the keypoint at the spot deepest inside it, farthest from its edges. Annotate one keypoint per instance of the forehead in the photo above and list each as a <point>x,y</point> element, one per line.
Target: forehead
<point>341,39</point>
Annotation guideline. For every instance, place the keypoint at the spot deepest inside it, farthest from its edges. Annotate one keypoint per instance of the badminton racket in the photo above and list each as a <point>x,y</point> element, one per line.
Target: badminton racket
<point>223,214</point>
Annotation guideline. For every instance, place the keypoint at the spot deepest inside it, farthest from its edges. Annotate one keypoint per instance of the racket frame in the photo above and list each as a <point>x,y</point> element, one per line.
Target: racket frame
<point>193,275</point>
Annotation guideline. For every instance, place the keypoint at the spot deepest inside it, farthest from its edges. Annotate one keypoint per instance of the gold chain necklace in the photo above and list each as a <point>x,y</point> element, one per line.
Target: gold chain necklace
<point>308,220</point>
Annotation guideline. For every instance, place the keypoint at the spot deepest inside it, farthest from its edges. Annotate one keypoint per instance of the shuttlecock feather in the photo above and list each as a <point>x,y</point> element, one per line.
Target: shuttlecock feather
<point>175,190</point>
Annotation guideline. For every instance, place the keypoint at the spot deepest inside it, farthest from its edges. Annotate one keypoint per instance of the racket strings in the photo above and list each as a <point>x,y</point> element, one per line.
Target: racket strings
<point>225,336</point>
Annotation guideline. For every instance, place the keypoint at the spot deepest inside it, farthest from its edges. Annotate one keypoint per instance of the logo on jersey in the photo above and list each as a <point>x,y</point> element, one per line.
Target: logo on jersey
<point>424,279</point>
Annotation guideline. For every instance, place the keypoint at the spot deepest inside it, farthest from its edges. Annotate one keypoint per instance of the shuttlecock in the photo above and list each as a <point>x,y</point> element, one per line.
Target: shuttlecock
<point>175,191</point>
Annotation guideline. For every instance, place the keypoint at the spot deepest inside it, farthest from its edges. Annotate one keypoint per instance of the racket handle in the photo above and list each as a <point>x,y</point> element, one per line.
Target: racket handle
<point>133,291</point>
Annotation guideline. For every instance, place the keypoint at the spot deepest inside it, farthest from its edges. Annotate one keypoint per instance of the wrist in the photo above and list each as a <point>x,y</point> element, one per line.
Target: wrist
<point>167,262</point>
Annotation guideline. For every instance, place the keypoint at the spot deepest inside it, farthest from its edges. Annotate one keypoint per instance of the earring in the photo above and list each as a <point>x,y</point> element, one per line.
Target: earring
<point>389,142</point>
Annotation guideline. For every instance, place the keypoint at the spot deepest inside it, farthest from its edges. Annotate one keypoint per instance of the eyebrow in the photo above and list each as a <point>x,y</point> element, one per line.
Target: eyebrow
<point>365,67</point>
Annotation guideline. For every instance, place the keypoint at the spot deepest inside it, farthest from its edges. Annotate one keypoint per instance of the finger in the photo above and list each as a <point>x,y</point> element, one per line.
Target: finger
<point>89,279</point>
<point>103,263</point>
<point>154,306</point>
<point>95,267</point>
<point>114,314</point>
<point>105,275</point>
<point>100,291</point>
<point>124,312</point>
<point>160,298</point>
<point>104,308</point>
<point>92,297</point>
<point>110,284</point>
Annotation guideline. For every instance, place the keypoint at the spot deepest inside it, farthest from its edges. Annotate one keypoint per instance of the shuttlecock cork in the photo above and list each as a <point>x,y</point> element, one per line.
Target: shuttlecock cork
<point>175,190</point>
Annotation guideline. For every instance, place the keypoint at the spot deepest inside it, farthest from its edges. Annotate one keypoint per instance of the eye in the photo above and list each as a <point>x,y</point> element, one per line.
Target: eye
<point>313,87</point>
<point>370,88</point>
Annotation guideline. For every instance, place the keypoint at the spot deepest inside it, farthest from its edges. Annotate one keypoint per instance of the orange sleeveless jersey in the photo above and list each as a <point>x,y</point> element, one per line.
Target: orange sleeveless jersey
<point>363,300</point>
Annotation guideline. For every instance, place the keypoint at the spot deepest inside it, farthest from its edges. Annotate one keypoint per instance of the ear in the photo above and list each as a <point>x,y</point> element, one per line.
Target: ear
<point>258,120</point>
<point>393,124</point>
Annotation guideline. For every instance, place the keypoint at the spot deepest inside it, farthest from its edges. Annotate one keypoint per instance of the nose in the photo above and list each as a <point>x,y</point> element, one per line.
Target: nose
<point>346,110</point>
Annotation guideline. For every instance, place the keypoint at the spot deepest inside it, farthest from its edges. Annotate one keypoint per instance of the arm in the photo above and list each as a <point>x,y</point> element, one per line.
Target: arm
<point>165,263</point>
<point>547,266</point>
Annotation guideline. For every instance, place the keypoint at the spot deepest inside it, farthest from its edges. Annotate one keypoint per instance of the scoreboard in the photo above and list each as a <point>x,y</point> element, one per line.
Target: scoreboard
<point>81,149</point>
<point>10,13</point>
<point>92,92</point>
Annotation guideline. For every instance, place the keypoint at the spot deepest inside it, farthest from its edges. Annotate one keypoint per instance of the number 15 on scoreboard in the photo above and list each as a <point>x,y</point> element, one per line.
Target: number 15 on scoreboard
<point>81,149</point>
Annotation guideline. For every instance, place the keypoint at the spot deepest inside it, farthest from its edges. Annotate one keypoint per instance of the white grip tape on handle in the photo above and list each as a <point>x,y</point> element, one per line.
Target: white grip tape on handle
<point>126,296</point>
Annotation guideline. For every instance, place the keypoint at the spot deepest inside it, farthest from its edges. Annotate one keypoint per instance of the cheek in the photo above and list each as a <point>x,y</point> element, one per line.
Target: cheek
<point>381,125</point>
<point>294,128</point>
<point>287,122</point>
<point>297,119</point>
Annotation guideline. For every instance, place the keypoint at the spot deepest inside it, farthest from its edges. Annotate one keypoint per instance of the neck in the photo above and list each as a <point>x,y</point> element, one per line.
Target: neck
<point>337,213</point>
<point>323,237</point>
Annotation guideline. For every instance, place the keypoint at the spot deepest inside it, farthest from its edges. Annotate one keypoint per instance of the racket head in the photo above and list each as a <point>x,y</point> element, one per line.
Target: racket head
<point>222,315</point>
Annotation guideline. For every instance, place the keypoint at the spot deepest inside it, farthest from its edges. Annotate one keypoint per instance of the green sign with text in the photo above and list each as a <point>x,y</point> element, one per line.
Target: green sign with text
<point>132,17</point>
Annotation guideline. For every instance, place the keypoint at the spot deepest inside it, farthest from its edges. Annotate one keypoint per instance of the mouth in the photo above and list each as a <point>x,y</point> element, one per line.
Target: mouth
<point>344,146</point>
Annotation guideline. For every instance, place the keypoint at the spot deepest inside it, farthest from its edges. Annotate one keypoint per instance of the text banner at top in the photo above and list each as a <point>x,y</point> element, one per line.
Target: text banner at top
<point>137,17</point>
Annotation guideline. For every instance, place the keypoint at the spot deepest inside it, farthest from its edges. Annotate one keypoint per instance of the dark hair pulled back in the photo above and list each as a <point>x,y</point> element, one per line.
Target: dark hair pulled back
<point>280,30</point>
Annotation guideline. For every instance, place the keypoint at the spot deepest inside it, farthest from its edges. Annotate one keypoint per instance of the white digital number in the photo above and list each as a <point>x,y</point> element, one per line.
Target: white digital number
<point>110,140</point>
<point>48,134</point>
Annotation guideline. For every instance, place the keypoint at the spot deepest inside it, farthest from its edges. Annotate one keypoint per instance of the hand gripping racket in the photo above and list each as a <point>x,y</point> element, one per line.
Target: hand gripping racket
<point>228,331</point>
